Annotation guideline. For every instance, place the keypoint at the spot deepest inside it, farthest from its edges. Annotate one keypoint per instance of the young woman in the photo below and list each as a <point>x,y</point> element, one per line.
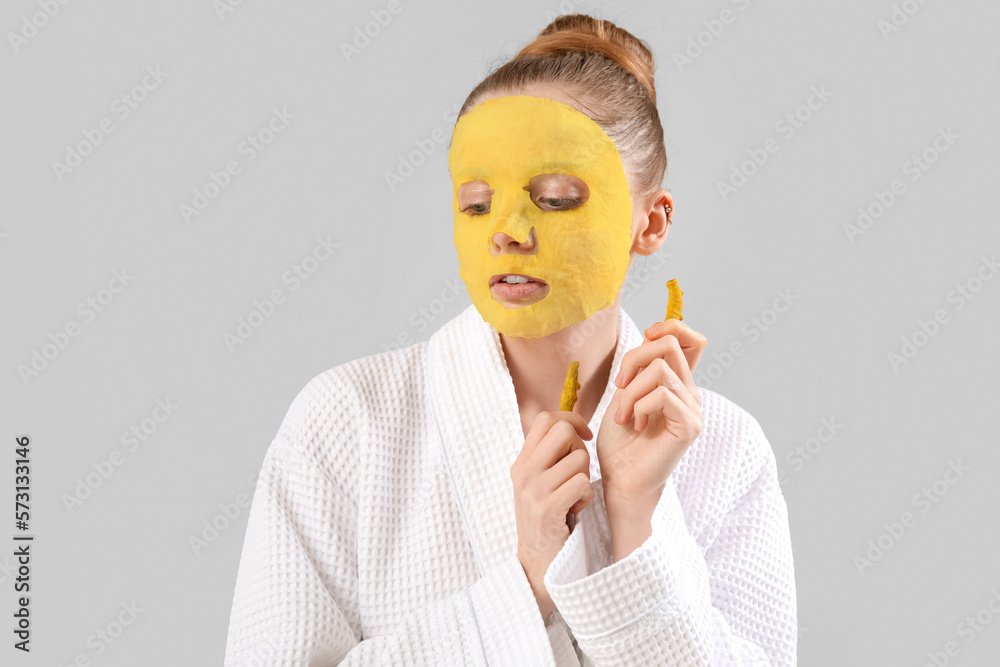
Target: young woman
<point>433,505</point>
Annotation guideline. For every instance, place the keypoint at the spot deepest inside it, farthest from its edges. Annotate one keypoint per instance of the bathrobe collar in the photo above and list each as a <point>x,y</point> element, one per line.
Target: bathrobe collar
<point>476,413</point>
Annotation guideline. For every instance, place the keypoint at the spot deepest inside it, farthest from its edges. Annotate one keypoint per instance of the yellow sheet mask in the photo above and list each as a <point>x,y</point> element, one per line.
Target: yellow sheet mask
<point>502,158</point>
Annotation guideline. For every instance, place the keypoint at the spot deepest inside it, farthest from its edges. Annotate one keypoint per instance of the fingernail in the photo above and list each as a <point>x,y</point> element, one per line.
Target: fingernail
<point>618,379</point>
<point>618,414</point>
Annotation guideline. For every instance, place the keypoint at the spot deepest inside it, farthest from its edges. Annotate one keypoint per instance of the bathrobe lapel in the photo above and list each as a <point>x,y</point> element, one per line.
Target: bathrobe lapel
<point>476,413</point>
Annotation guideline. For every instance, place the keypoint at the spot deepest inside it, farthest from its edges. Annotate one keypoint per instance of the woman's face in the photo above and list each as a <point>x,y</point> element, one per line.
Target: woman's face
<point>539,192</point>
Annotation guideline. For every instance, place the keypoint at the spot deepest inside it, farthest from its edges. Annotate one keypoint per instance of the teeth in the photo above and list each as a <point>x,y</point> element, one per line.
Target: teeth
<point>515,280</point>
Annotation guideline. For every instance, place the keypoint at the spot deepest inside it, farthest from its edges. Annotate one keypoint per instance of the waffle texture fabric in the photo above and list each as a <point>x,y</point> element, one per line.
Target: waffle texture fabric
<point>382,532</point>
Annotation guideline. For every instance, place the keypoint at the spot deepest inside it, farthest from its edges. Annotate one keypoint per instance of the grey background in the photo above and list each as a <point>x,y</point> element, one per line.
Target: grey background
<point>393,279</point>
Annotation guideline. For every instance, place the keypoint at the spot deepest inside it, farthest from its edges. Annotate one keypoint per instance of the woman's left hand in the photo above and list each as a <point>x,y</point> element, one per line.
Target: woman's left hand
<point>654,415</point>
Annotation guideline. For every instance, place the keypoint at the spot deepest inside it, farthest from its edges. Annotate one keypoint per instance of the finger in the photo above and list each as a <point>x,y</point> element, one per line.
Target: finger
<point>576,461</point>
<point>657,374</point>
<point>544,422</point>
<point>676,359</point>
<point>576,492</point>
<point>692,342</point>
<point>649,378</point>
<point>668,348</point>
<point>561,439</point>
<point>666,406</point>
<point>584,501</point>
<point>639,357</point>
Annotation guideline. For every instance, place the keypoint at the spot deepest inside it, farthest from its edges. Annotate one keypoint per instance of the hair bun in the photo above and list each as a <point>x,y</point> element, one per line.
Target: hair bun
<point>580,32</point>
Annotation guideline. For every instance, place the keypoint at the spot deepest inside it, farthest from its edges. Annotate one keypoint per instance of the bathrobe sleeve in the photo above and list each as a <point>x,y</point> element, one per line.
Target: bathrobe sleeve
<point>296,598</point>
<point>669,602</point>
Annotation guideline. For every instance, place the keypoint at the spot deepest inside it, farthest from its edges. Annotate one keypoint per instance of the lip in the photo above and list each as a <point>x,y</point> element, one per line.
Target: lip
<point>500,276</point>
<point>519,295</point>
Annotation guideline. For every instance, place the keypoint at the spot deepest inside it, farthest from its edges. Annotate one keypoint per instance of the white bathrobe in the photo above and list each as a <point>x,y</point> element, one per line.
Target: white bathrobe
<point>382,532</point>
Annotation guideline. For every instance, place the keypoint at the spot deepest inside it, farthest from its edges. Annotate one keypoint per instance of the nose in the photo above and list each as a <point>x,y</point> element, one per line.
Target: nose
<point>504,243</point>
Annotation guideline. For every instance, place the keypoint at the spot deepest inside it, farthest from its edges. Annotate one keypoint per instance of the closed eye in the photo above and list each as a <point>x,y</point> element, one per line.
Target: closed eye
<point>477,209</point>
<point>559,204</point>
<point>558,192</point>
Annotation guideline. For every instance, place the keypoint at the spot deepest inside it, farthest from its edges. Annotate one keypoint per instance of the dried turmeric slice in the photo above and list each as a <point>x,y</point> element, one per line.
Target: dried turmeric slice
<point>675,300</point>
<point>570,387</point>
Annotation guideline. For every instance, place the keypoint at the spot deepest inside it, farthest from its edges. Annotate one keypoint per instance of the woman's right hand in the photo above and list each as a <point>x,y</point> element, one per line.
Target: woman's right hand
<point>551,477</point>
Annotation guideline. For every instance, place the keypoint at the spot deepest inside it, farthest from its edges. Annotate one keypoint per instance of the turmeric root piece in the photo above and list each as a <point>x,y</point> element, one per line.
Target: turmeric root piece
<point>675,300</point>
<point>570,387</point>
<point>566,402</point>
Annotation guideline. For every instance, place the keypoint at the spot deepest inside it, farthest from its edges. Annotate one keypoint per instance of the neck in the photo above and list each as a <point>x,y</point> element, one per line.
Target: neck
<point>538,365</point>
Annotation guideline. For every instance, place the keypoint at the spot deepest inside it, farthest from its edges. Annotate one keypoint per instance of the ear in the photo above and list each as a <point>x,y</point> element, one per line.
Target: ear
<point>653,221</point>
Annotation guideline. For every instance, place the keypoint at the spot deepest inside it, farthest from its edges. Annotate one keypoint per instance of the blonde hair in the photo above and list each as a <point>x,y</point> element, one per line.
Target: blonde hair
<point>609,72</point>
